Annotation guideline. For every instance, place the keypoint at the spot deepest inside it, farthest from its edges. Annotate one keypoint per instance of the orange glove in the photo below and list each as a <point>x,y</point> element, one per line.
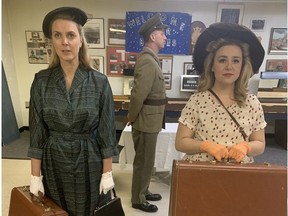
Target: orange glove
<point>239,151</point>
<point>219,151</point>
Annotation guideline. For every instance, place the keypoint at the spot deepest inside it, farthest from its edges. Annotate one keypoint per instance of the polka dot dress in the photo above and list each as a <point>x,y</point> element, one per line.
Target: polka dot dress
<point>210,121</point>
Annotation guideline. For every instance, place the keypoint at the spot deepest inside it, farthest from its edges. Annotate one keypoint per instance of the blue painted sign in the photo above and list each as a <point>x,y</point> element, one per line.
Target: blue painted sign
<point>178,33</point>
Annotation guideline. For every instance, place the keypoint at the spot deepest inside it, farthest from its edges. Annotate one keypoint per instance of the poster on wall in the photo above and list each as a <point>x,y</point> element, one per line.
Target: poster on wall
<point>178,33</point>
<point>118,60</point>
<point>39,47</point>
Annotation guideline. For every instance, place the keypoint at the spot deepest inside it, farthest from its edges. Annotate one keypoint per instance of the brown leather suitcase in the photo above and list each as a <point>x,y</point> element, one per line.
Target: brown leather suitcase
<point>22,203</point>
<point>227,189</point>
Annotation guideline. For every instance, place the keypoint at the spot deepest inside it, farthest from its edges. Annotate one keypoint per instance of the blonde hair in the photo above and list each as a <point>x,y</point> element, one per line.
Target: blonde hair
<point>207,78</point>
<point>84,58</point>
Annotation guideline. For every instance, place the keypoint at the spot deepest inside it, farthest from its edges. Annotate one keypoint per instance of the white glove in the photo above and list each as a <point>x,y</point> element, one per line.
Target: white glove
<point>36,185</point>
<point>106,183</point>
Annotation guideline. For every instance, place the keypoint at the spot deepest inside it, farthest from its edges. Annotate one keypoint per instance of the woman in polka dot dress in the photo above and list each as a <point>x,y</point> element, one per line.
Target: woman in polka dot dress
<point>226,55</point>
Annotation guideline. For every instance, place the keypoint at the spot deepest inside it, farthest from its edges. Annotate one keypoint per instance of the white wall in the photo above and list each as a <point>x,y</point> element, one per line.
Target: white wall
<point>20,16</point>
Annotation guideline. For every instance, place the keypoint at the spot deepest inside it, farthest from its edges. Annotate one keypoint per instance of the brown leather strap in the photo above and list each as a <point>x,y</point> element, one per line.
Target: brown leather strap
<point>236,122</point>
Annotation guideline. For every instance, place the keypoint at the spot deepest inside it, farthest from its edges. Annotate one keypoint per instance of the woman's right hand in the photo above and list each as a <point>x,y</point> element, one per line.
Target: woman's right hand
<point>36,185</point>
<point>219,151</point>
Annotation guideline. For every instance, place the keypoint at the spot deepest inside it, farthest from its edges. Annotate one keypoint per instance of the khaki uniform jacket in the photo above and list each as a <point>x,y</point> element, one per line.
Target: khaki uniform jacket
<point>148,84</point>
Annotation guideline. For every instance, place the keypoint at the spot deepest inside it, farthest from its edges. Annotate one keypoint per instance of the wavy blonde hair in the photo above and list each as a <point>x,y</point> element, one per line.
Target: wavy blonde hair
<point>207,78</point>
<point>84,58</point>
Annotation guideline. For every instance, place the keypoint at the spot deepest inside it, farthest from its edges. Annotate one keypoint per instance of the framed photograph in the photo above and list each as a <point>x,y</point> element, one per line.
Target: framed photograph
<point>278,41</point>
<point>257,24</point>
<point>94,33</point>
<point>166,64</point>
<point>98,63</point>
<point>128,83</point>
<point>118,60</point>
<point>189,69</point>
<point>39,48</point>
<point>167,81</point>
<point>116,31</point>
<point>230,13</point>
<point>189,83</point>
<point>276,65</point>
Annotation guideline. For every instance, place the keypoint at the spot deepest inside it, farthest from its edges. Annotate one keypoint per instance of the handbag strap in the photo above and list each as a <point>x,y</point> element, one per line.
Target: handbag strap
<point>102,195</point>
<point>235,121</point>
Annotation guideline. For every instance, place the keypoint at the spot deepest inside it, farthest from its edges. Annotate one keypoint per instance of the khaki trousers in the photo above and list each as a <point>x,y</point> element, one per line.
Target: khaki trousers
<point>143,165</point>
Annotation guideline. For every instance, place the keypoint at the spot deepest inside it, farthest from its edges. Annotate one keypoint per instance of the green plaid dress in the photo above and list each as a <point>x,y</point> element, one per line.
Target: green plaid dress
<point>71,132</point>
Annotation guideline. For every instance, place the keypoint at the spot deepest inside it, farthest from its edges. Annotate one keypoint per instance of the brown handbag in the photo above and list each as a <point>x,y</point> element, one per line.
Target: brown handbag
<point>23,203</point>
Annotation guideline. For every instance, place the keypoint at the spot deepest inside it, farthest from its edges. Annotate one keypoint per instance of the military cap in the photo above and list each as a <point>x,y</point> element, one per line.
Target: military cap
<point>76,14</point>
<point>151,25</point>
<point>230,31</point>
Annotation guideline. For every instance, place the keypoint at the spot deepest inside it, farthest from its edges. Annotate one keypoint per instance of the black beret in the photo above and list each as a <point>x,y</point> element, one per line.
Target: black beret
<point>228,31</point>
<point>151,25</point>
<point>76,14</point>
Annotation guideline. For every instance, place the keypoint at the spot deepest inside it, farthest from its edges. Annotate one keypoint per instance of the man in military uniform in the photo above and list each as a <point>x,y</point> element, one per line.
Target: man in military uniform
<point>146,112</point>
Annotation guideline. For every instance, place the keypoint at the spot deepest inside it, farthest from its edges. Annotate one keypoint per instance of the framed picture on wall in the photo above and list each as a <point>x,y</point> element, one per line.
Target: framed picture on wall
<point>116,31</point>
<point>94,33</point>
<point>118,60</point>
<point>278,41</point>
<point>257,24</point>
<point>166,64</point>
<point>98,62</point>
<point>189,69</point>
<point>230,13</point>
<point>39,47</point>
<point>276,65</point>
<point>189,83</point>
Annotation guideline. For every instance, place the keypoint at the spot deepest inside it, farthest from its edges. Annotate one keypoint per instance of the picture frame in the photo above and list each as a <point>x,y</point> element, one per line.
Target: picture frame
<point>116,31</point>
<point>257,24</point>
<point>118,60</point>
<point>230,13</point>
<point>276,65</point>
<point>278,41</point>
<point>98,63</point>
<point>94,33</point>
<point>189,69</point>
<point>166,64</point>
<point>189,83</point>
<point>282,83</point>
<point>128,83</point>
<point>39,48</point>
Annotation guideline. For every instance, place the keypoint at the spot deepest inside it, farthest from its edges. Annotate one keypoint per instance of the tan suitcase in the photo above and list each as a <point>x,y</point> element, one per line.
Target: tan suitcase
<point>227,189</point>
<point>22,203</point>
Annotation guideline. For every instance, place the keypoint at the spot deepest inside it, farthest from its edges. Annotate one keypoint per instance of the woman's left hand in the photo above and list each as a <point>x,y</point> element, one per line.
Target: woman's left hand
<point>239,151</point>
<point>106,183</point>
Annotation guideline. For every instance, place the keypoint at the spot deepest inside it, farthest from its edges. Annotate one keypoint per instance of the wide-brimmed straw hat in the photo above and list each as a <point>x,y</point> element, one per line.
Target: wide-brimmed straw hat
<point>228,31</point>
<point>77,15</point>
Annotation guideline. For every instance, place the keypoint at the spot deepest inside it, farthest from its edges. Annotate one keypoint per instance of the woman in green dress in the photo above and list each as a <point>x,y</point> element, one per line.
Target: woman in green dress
<point>71,120</point>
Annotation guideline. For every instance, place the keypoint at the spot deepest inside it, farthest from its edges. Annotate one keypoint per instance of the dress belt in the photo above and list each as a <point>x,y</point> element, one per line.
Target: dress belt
<point>70,136</point>
<point>156,102</point>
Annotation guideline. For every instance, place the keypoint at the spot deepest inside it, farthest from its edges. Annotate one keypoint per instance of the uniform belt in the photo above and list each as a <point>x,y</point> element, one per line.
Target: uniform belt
<point>155,102</point>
